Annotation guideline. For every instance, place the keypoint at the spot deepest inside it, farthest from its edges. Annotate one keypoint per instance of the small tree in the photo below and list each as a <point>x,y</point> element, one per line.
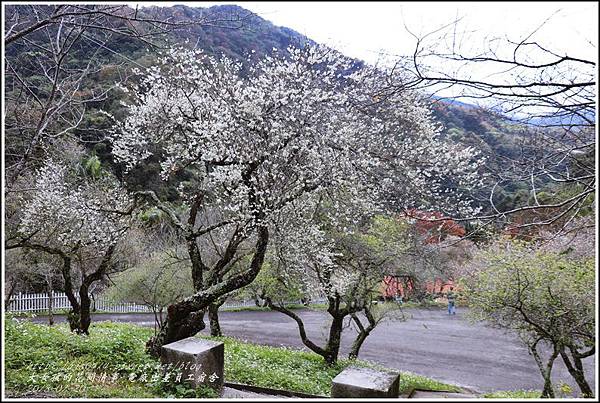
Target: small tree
<point>547,297</point>
<point>160,280</point>
<point>346,266</point>
<point>375,313</point>
<point>31,271</point>
<point>79,220</point>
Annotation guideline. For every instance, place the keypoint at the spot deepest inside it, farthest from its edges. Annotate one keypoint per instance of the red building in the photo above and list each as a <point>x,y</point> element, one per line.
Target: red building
<point>433,228</point>
<point>403,286</point>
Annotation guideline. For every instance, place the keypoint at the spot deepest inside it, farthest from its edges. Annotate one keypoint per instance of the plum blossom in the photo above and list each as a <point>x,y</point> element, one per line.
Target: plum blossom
<point>67,213</point>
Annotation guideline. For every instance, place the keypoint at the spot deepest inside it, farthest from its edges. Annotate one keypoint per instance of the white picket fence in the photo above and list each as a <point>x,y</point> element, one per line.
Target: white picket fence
<point>39,303</point>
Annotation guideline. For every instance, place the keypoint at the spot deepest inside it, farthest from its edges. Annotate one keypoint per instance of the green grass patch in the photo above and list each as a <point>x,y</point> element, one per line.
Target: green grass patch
<point>53,360</point>
<point>410,381</point>
<point>277,367</point>
<point>514,394</point>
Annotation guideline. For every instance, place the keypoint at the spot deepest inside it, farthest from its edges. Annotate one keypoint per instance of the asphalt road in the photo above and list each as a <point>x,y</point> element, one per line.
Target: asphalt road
<point>429,343</point>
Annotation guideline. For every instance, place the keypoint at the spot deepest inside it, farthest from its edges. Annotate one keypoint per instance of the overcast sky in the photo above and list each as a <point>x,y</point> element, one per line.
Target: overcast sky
<point>363,29</point>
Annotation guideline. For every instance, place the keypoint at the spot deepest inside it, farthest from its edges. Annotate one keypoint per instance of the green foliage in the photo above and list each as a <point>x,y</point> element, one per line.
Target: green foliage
<point>564,389</point>
<point>269,281</point>
<point>52,359</point>
<point>157,282</point>
<point>478,232</point>
<point>534,292</point>
<point>569,191</point>
<point>278,368</point>
<point>93,166</point>
<point>384,232</point>
<point>152,215</point>
<point>410,381</point>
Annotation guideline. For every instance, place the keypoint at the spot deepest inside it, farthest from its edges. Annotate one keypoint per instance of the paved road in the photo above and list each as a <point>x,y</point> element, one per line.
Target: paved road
<point>430,343</point>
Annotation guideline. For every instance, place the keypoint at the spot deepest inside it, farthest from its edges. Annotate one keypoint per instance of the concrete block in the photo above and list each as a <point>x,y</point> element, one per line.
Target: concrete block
<point>365,382</point>
<point>196,361</point>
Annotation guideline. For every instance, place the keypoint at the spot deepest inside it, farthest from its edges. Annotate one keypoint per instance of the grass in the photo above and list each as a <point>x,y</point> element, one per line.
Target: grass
<point>514,394</point>
<point>50,360</point>
<point>410,381</point>
<point>39,358</point>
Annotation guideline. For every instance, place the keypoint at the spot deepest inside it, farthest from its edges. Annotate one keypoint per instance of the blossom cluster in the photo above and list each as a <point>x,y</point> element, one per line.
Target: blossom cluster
<point>65,212</point>
<point>260,135</point>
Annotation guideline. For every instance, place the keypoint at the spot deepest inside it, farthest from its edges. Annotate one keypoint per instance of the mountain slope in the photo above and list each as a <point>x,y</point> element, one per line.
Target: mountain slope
<point>236,33</point>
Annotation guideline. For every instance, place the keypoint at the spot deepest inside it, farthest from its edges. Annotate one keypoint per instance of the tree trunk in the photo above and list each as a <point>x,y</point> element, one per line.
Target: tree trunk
<point>331,350</point>
<point>9,295</point>
<point>73,316</point>
<point>545,369</point>
<point>85,318</point>
<point>363,332</point>
<point>548,391</point>
<point>81,318</point>
<point>323,352</point>
<point>156,322</point>
<point>213,317</point>
<point>576,371</point>
<point>180,324</point>
<point>50,306</point>
<point>197,265</point>
<point>192,246</point>
<point>356,345</point>
<point>185,318</point>
<point>334,340</point>
<point>74,319</point>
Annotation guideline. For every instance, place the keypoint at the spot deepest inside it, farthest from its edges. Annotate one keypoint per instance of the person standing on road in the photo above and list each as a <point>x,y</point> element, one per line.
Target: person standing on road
<point>451,298</point>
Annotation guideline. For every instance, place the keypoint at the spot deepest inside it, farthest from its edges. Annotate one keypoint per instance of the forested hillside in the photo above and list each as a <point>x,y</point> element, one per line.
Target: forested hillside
<point>235,33</point>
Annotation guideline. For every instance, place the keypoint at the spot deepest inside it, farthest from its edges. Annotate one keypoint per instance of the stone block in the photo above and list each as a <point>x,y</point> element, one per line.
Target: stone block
<point>200,362</point>
<point>365,382</point>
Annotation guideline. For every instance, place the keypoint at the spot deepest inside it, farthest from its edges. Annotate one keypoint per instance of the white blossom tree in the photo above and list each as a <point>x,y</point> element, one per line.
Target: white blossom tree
<point>258,137</point>
<point>340,260</point>
<point>78,220</point>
